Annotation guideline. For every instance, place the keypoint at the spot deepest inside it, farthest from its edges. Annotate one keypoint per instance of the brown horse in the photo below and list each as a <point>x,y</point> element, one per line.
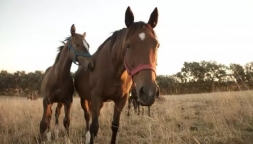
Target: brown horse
<point>130,54</point>
<point>57,84</point>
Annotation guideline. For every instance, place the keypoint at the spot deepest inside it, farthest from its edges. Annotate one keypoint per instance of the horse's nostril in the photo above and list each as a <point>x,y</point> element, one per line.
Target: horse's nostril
<point>141,92</point>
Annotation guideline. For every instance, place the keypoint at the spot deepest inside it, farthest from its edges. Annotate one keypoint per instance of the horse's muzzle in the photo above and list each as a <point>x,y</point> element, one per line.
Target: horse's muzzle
<point>147,95</point>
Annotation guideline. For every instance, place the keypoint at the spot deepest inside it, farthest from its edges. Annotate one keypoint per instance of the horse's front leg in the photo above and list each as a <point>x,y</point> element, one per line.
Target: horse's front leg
<point>118,107</point>
<point>96,103</point>
<point>57,115</point>
<point>85,104</point>
<point>45,121</point>
<point>66,120</point>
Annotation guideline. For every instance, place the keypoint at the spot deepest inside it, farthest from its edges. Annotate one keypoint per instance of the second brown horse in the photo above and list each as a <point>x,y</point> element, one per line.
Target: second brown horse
<point>130,54</point>
<point>57,84</point>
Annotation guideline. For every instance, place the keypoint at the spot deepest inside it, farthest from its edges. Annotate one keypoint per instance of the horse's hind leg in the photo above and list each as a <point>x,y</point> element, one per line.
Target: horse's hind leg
<point>45,121</point>
<point>129,106</point>
<point>57,115</point>
<point>149,111</point>
<point>86,108</point>
<point>102,104</point>
<point>138,107</point>
<point>135,105</point>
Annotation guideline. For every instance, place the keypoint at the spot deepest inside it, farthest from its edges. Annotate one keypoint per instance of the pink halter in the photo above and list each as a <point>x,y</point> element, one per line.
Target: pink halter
<point>138,68</point>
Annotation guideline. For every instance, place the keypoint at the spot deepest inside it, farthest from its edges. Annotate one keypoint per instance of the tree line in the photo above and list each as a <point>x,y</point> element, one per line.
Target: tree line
<point>194,77</point>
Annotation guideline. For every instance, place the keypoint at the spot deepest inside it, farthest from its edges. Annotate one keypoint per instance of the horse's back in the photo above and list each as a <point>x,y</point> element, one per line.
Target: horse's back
<point>44,82</point>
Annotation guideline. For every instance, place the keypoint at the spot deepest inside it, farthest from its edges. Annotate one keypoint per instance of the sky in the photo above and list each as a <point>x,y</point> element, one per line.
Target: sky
<point>188,30</point>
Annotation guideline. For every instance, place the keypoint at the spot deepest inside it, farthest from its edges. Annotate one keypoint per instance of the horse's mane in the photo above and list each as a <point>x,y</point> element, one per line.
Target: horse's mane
<point>59,49</point>
<point>125,33</point>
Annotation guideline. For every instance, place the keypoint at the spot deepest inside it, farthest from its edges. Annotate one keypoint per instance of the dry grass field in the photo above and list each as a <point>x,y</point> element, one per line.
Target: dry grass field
<point>215,118</point>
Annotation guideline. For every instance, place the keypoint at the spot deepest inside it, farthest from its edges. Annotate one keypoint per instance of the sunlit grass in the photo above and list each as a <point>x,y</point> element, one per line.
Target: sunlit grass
<point>216,118</point>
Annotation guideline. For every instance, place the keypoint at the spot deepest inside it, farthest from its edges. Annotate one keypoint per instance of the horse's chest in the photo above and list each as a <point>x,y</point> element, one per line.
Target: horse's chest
<point>114,91</point>
<point>111,93</point>
<point>61,91</point>
<point>110,87</point>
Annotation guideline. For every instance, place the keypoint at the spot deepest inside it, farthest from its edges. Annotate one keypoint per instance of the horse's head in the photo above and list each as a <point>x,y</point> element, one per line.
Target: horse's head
<point>79,49</point>
<point>140,56</point>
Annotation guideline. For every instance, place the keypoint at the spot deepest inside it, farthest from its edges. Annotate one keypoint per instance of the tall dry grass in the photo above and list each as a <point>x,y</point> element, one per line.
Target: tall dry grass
<point>216,118</point>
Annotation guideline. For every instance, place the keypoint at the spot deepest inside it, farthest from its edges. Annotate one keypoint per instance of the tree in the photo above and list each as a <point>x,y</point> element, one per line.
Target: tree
<point>249,72</point>
<point>193,71</point>
<point>215,71</point>
<point>238,73</point>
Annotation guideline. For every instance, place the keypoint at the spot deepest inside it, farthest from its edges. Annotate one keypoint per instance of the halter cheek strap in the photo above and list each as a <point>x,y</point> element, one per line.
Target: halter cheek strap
<point>76,53</point>
<point>138,68</point>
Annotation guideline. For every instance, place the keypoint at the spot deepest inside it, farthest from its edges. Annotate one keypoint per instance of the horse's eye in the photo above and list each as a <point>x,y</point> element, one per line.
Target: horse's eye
<point>77,45</point>
<point>158,45</point>
<point>127,46</point>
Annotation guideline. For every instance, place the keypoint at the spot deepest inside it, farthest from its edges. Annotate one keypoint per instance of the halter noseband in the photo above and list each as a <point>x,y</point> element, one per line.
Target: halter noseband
<point>138,68</point>
<point>77,53</point>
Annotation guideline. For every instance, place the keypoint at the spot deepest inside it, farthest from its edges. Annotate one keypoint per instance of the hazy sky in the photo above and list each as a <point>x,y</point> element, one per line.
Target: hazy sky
<point>188,30</point>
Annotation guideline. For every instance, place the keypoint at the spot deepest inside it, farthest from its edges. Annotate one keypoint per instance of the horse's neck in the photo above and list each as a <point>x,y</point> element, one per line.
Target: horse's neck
<point>64,64</point>
<point>117,57</point>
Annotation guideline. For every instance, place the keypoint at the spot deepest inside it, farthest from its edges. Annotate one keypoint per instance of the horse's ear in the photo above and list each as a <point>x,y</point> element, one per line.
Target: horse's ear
<point>153,18</point>
<point>129,17</point>
<point>84,34</point>
<point>73,30</point>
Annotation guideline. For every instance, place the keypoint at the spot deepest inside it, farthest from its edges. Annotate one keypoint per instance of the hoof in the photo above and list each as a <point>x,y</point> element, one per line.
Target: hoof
<point>67,140</point>
<point>87,137</point>
<point>56,133</point>
<point>41,139</point>
<point>49,136</point>
<point>41,142</point>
